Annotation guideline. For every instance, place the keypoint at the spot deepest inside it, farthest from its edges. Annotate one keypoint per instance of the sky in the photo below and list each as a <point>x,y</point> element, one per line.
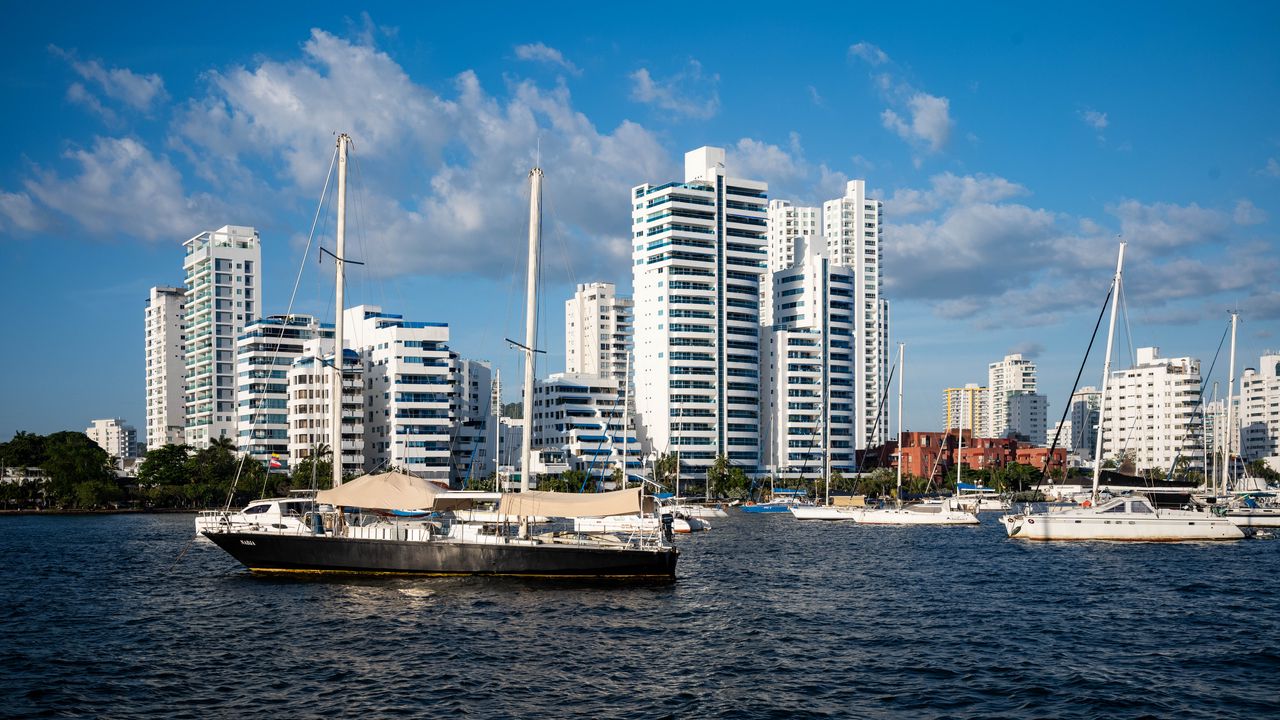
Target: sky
<point>1012,145</point>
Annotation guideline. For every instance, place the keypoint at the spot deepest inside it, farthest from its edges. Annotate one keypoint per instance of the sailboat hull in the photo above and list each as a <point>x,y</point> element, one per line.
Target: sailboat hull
<point>824,512</point>
<point>325,554</point>
<point>909,516</point>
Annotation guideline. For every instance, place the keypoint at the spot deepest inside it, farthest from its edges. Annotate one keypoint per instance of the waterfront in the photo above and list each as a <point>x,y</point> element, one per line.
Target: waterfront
<point>770,618</point>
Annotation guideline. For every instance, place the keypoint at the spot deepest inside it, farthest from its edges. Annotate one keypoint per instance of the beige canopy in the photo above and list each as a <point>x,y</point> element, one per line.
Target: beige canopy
<point>388,491</point>
<point>570,505</point>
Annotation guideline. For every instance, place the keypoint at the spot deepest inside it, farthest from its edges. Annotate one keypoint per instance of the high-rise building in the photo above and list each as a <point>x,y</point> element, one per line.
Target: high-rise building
<point>597,331</point>
<point>1149,412</point>
<point>966,407</point>
<point>265,351</point>
<point>1082,423</point>
<point>582,416</point>
<point>310,386</point>
<point>475,432</point>
<point>1260,409</point>
<point>410,386</point>
<point>854,229</point>
<point>112,435</point>
<point>1028,417</point>
<point>699,252</point>
<point>165,347</point>
<point>1013,374</point>
<point>223,270</point>
<point>808,397</point>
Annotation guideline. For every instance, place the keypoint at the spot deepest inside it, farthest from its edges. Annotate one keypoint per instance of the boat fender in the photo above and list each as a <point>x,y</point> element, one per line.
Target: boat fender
<point>1086,504</point>
<point>1031,521</point>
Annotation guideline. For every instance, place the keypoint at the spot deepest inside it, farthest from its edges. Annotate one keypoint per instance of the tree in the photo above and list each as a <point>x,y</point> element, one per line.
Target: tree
<point>72,458</point>
<point>165,465</point>
<point>314,467</point>
<point>877,482</point>
<point>24,450</point>
<point>664,469</point>
<point>718,475</point>
<point>513,411</point>
<point>1260,469</point>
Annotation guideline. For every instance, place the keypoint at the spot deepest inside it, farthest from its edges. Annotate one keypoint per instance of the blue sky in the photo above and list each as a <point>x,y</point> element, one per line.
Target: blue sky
<point>1011,144</point>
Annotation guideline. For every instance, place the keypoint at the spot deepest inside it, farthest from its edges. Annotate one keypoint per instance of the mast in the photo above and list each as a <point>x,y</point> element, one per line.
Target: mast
<point>495,400</point>
<point>960,441</point>
<point>626,418</point>
<point>1230,427</point>
<point>335,385</point>
<point>531,324</point>
<point>1106,375</point>
<point>901,353</point>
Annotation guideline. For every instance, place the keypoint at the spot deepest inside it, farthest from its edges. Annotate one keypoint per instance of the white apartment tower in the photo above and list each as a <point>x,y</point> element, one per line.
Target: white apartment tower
<point>1149,412</point>
<point>597,331</point>
<point>410,390</point>
<point>854,229</point>
<point>698,254</point>
<point>112,435</point>
<point>165,345</point>
<point>310,384</point>
<point>808,359</point>
<point>264,354</point>
<point>1082,423</point>
<point>1260,409</point>
<point>583,415</point>
<point>1013,374</point>
<point>475,432</point>
<point>223,271</point>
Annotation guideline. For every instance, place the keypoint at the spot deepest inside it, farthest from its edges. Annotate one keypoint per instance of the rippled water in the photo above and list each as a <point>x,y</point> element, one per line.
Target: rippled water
<point>770,618</point>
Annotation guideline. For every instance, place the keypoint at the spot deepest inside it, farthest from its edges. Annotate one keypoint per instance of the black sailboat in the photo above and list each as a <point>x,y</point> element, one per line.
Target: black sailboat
<point>522,539</point>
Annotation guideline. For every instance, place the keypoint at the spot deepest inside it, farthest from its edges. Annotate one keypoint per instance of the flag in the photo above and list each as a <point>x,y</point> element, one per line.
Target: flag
<point>275,462</point>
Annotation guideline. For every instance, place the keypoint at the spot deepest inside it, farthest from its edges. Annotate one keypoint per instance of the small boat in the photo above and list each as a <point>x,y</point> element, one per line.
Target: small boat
<point>1131,518</point>
<point>1247,512</point>
<point>278,515</point>
<point>825,512</point>
<point>782,501</point>
<point>948,512</point>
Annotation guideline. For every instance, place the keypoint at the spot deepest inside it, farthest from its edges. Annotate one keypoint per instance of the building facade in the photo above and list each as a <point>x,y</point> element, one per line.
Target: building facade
<point>1151,412</point>
<point>1260,409</point>
<point>1013,374</point>
<point>597,331</point>
<point>113,435</point>
<point>310,383</point>
<point>807,366</point>
<point>474,427</point>
<point>698,254</point>
<point>1028,416</point>
<point>165,350</point>
<point>265,352</point>
<point>410,390</point>
<point>223,290</point>
<point>583,416</point>
<point>971,400</point>
<point>1082,423</point>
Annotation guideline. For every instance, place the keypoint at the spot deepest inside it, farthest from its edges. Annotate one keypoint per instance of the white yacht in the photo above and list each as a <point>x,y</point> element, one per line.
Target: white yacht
<point>948,512</point>
<point>273,515</point>
<point>1131,517</point>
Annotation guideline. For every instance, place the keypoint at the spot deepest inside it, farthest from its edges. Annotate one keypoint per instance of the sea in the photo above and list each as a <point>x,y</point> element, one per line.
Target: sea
<point>124,616</point>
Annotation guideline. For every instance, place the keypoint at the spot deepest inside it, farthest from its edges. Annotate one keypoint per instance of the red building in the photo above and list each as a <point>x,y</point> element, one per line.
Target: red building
<point>933,454</point>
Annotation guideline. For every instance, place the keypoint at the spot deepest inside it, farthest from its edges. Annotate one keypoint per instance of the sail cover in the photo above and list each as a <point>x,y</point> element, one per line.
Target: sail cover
<point>388,491</point>
<point>571,505</point>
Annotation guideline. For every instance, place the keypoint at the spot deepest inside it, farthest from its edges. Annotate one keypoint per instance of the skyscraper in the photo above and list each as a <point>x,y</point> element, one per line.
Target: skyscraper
<point>265,351</point>
<point>698,254</point>
<point>223,289</point>
<point>165,347</point>
<point>597,331</point>
<point>1013,374</point>
<point>1149,412</point>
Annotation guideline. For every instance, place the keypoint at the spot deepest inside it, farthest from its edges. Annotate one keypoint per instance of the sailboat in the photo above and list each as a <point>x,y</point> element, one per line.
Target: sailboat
<point>441,544</point>
<point>1131,517</point>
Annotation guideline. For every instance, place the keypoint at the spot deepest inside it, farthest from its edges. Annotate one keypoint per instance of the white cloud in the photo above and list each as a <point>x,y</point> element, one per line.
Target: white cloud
<point>870,53</point>
<point>119,189</point>
<point>755,159</point>
<point>538,52</point>
<point>949,189</point>
<point>688,93</point>
<point>1029,349</point>
<point>1246,213</point>
<point>139,92</point>
<point>1166,225</point>
<point>1271,169</point>
<point>815,97</point>
<point>1094,119</point>
<point>922,119</point>
<point>19,212</point>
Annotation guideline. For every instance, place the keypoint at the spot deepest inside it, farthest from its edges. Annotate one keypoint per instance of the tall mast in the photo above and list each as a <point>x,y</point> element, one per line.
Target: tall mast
<point>960,440</point>
<point>1230,428</point>
<point>335,385</point>
<point>531,324</point>
<point>1106,375</point>
<point>496,401</point>
<point>901,353</point>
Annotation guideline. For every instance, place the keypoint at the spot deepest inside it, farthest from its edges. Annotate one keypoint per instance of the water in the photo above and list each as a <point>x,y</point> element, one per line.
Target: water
<point>770,618</point>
